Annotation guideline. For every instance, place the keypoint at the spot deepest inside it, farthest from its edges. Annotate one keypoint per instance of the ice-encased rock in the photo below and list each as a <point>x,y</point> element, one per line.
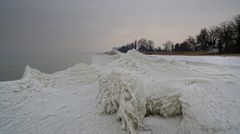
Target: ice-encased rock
<point>122,94</point>
<point>125,88</point>
<point>134,86</point>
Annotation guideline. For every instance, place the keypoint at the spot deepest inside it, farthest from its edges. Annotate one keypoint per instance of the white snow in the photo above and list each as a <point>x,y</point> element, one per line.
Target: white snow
<point>148,94</point>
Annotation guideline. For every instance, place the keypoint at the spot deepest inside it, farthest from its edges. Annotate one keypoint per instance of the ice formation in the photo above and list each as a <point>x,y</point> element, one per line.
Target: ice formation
<point>135,86</point>
<point>74,76</point>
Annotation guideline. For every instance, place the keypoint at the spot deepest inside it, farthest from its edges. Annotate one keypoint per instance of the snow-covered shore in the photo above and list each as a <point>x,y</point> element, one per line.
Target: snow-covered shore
<point>149,94</point>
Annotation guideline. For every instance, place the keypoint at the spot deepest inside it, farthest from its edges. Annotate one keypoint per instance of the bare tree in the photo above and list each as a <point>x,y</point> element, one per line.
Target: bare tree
<point>215,34</point>
<point>191,42</point>
<point>226,35</point>
<point>142,42</point>
<point>145,45</point>
<point>203,39</point>
<point>235,24</point>
<point>150,45</point>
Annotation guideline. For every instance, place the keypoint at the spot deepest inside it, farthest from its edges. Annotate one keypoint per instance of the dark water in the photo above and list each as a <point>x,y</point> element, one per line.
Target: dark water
<point>12,65</point>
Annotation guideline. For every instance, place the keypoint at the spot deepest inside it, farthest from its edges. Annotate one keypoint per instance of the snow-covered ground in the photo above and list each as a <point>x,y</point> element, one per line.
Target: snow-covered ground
<point>149,94</point>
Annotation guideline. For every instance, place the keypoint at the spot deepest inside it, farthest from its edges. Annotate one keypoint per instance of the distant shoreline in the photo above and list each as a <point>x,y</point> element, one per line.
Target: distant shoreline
<point>187,53</point>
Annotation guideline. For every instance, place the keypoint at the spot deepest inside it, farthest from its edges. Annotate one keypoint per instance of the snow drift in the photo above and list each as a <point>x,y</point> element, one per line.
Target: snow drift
<point>134,86</point>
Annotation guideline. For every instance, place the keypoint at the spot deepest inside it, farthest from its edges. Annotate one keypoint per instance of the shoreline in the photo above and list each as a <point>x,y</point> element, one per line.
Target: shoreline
<point>198,53</point>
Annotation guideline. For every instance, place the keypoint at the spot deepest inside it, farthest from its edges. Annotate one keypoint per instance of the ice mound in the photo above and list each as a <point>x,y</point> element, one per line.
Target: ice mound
<point>123,88</point>
<point>134,86</point>
<point>99,61</point>
<point>74,76</point>
<point>35,75</point>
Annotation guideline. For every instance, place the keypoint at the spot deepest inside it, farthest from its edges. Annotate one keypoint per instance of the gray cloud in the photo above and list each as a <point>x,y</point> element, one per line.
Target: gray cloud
<point>94,25</point>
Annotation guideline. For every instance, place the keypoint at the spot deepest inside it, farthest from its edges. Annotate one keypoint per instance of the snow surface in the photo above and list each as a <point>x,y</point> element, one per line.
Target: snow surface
<point>148,94</point>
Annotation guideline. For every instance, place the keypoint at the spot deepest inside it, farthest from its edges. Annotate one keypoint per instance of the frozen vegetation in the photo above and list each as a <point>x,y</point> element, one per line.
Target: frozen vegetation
<point>139,93</point>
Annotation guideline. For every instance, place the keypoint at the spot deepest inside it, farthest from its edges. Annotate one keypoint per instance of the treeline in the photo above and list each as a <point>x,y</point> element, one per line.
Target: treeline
<point>224,38</point>
<point>141,45</point>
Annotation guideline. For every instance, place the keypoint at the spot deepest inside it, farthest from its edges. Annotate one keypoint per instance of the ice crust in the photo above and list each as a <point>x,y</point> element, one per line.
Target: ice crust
<point>135,86</point>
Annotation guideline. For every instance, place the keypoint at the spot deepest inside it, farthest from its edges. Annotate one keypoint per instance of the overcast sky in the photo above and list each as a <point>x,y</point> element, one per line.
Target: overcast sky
<point>39,26</point>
